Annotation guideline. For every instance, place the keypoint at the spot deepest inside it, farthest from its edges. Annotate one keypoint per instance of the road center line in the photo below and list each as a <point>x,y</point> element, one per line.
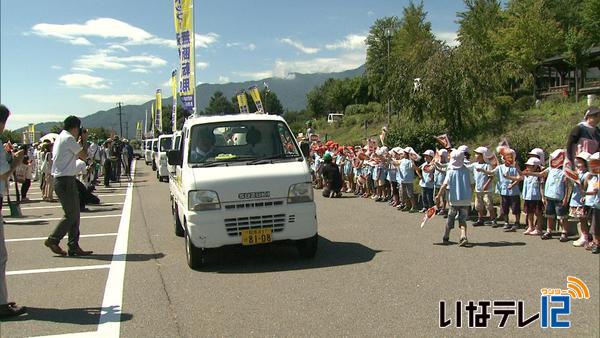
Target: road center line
<point>43,238</point>
<point>110,317</point>
<point>68,268</point>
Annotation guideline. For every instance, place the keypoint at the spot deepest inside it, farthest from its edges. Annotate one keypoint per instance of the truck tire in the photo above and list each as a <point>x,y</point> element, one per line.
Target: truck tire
<point>307,248</point>
<point>196,257</point>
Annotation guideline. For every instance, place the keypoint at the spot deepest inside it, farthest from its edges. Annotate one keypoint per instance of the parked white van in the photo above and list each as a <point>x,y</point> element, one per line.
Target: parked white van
<point>148,151</point>
<point>175,145</point>
<point>154,152</point>
<point>241,180</point>
<point>164,144</point>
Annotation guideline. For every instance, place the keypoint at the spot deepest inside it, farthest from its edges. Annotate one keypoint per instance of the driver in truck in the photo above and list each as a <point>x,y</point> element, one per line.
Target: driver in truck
<point>205,148</point>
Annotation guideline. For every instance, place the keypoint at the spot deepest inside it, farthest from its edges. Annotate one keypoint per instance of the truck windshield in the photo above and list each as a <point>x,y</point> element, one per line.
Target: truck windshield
<point>165,144</point>
<point>241,140</point>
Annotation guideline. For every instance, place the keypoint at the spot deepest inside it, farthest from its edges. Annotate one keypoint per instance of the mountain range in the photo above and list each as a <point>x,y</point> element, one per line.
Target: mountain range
<point>291,91</point>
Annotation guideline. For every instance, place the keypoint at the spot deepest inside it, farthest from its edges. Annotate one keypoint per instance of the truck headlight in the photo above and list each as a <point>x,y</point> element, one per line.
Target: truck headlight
<point>300,192</point>
<point>200,200</point>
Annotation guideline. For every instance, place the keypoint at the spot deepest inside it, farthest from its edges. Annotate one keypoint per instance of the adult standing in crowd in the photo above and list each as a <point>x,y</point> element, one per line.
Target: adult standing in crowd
<point>65,154</point>
<point>7,309</point>
<point>585,136</point>
<point>106,163</point>
<point>48,182</point>
<point>127,157</point>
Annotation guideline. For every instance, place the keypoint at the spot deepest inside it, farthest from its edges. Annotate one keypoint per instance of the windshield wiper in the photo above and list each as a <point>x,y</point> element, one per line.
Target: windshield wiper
<point>266,160</point>
<point>209,164</point>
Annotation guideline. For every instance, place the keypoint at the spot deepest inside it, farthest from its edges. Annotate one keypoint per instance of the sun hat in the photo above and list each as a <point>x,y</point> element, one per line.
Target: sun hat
<point>533,161</point>
<point>429,152</point>
<point>539,152</point>
<point>591,111</point>
<point>457,159</point>
<point>481,150</point>
<point>463,148</point>
<point>584,155</point>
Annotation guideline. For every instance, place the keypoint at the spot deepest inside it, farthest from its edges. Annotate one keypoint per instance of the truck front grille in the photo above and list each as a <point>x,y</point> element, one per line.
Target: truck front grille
<point>234,226</point>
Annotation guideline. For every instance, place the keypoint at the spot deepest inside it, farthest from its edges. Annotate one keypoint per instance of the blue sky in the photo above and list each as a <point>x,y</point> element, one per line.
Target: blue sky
<point>77,57</point>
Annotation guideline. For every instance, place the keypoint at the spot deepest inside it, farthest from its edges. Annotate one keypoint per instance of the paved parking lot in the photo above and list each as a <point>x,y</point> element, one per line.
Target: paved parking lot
<point>376,274</point>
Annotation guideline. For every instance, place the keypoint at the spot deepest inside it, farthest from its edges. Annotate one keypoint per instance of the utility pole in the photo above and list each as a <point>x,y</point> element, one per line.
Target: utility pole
<point>388,35</point>
<point>120,119</point>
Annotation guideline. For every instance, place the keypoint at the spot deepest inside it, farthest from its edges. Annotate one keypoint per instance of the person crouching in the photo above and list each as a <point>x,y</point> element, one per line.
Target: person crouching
<point>332,178</point>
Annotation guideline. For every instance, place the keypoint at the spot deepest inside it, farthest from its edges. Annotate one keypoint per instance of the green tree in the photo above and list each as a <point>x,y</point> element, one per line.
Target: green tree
<point>529,35</point>
<point>9,135</point>
<point>271,102</point>
<point>378,62</point>
<point>218,104</point>
<point>167,112</point>
<point>57,128</point>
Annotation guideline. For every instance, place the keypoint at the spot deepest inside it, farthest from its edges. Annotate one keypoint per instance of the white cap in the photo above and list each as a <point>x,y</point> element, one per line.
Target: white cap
<point>463,148</point>
<point>457,159</point>
<point>408,149</point>
<point>584,155</point>
<point>556,153</point>
<point>481,150</point>
<point>533,161</point>
<point>429,152</point>
<point>595,156</point>
<point>539,152</point>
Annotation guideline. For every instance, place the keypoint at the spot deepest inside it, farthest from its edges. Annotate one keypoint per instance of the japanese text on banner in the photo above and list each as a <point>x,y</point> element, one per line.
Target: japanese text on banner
<point>184,28</point>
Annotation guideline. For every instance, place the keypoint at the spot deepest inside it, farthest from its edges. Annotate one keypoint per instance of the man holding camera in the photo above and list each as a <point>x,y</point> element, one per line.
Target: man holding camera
<point>65,153</point>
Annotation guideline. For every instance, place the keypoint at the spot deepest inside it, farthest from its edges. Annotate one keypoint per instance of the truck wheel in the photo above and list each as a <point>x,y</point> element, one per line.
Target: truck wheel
<point>196,257</point>
<point>307,248</point>
<point>179,231</point>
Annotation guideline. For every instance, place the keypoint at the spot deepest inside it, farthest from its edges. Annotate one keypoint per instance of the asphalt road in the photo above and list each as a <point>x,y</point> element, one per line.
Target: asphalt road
<point>377,273</point>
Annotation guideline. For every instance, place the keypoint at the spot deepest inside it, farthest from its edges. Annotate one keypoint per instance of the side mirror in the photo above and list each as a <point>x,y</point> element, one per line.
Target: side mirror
<point>174,157</point>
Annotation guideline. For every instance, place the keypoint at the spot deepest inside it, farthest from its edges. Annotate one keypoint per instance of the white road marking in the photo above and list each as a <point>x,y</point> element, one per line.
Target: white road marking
<point>110,318</point>
<point>44,238</point>
<point>33,220</point>
<point>59,207</point>
<point>68,268</point>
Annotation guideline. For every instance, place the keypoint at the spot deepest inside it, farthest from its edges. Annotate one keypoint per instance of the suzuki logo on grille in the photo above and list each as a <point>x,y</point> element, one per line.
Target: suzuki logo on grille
<point>254,195</point>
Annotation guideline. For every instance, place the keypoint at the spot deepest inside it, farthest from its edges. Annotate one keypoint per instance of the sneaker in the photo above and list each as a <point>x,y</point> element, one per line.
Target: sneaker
<point>506,226</point>
<point>478,223</point>
<point>589,245</point>
<point>514,228</point>
<point>463,242</point>
<point>495,224</point>
<point>581,242</point>
<point>423,210</point>
<point>535,232</point>
<point>595,249</point>
<point>564,237</point>
<point>446,240</point>
<point>547,235</point>
<point>527,232</point>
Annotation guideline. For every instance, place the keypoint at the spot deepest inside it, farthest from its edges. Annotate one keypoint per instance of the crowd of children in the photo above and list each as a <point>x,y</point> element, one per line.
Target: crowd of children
<point>451,179</point>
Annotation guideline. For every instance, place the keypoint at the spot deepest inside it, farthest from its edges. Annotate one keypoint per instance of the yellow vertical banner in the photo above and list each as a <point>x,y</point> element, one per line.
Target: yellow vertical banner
<point>183,11</point>
<point>242,100</point>
<point>174,96</point>
<point>255,94</point>
<point>158,117</point>
<point>152,118</point>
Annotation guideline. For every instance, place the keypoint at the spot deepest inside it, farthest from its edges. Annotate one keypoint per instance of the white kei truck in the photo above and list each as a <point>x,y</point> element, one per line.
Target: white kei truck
<point>241,180</point>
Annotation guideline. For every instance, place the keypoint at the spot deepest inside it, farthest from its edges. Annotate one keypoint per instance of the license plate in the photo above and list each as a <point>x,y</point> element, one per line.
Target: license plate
<point>256,236</point>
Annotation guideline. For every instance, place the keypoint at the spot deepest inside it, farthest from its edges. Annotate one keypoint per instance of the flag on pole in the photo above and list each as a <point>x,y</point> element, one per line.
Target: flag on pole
<point>183,11</point>
<point>255,94</point>
<point>174,96</point>
<point>242,100</point>
<point>429,214</point>
<point>153,118</point>
<point>158,117</point>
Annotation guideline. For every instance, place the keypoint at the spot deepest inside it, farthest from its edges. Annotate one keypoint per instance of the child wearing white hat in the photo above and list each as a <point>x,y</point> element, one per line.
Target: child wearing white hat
<point>484,199</point>
<point>458,184</point>
<point>592,201</point>
<point>577,208</point>
<point>426,173</point>
<point>532,197</point>
<point>441,165</point>
<point>406,170</point>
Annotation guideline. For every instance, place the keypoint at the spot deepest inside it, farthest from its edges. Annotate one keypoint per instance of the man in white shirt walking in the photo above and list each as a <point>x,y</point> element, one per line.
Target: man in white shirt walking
<point>65,153</point>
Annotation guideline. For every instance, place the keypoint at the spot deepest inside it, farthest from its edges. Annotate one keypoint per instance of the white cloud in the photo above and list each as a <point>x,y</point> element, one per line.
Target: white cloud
<point>82,69</point>
<point>166,84</point>
<point>102,60</point>
<point>83,80</point>
<point>56,67</point>
<point>140,83</point>
<point>118,47</point>
<point>350,42</point>
<point>370,13</point>
<point>249,46</point>
<point>223,79</point>
<point>282,68</point>
<point>298,45</point>
<point>450,38</point>
<point>202,65</point>
<point>205,40</point>
<point>18,120</point>
<point>255,75</point>
<point>108,28</point>
<point>140,70</point>
<point>126,98</point>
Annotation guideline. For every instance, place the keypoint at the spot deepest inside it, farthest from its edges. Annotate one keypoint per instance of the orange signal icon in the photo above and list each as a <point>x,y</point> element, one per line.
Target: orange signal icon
<point>577,288</point>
